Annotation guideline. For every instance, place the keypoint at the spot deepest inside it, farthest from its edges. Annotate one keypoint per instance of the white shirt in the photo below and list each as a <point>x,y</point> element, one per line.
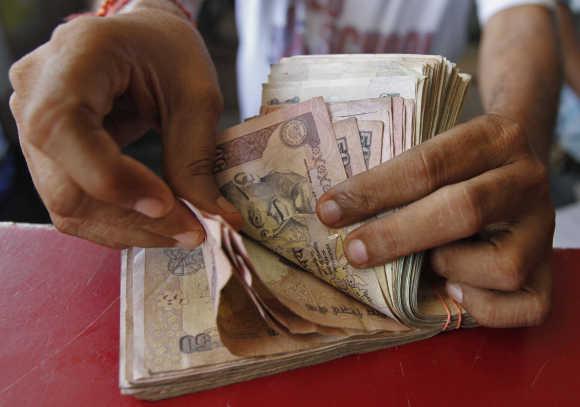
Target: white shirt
<point>271,29</point>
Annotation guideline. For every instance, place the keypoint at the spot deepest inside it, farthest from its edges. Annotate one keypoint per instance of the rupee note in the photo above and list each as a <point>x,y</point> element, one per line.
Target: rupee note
<point>273,169</point>
<point>369,132</point>
<point>367,109</point>
<point>348,140</point>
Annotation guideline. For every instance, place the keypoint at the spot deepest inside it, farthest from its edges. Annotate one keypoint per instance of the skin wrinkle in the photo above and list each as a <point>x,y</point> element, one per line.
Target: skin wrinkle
<point>201,167</point>
<point>470,212</point>
<point>431,181</point>
<point>65,196</point>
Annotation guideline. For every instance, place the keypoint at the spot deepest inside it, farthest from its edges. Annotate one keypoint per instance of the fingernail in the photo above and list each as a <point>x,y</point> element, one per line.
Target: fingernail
<point>189,240</point>
<point>150,207</point>
<point>455,291</point>
<point>357,251</point>
<point>330,212</point>
<point>226,205</point>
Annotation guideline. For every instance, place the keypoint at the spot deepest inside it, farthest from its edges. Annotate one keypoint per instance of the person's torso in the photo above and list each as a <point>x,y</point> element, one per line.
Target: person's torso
<point>271,29</point>
<point>369,26</point>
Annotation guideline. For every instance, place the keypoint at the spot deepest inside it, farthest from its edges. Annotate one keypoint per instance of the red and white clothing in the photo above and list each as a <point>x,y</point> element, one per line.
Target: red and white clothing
<point>271,29</point>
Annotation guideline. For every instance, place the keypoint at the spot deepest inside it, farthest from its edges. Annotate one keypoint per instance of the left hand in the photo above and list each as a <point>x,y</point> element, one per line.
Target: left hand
<point>478,196</point>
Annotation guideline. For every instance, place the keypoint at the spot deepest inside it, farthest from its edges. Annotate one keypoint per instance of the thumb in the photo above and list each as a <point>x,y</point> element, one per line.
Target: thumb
<point>189,155</point>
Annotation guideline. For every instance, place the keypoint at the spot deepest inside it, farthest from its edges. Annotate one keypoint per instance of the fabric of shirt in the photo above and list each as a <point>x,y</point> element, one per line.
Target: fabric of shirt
<point>271,29</point>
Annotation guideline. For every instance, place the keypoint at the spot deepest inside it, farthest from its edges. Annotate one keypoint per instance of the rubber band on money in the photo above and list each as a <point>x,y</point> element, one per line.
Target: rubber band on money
<point>460,313</point>
<point>109,7</point>
<point>447,310</point>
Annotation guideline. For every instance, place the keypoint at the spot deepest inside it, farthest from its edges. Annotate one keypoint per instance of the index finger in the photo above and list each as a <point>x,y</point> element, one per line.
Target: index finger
<point>459,154</point>
<point>63,118</point>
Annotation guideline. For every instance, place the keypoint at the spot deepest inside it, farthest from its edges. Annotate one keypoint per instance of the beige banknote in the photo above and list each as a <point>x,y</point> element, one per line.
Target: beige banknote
<point>369,131</point>
<point>313,299</point>
<point>273,169</point>
<point>348,145</point>
<point>337,90</point>
<point>348,140</point>
<point>177,299</point>
<point>170,341</point>
<point>377,109</point>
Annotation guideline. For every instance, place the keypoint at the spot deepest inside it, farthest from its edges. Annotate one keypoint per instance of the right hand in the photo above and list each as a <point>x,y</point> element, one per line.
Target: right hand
<point>100,83</point>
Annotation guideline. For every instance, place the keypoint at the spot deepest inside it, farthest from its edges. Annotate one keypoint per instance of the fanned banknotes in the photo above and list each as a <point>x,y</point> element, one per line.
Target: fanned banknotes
<point>281,294</point>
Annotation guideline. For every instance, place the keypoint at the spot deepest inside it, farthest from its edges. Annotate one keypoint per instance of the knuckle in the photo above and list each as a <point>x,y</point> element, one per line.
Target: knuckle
<point>538,316</point>
<point>514,134</point>
<point>80,28</point>
<point>532,179</point>
<point>84,230</point>
<point>61,31</point>
<point>430,170</point>
<point>440,261</point>
<point>65,200</point>
<point>487,315</point>
<point>34,125</point>
<point>364,200</point>
<point>65,225</point>
<point>202,166</point>
<point>104,182</point>
<point>511,134</point>
<point>16,71</point>
<point>512,272</point>
<point>87,38</point>
<point>467,207</point>
<point>41,122</point>
<point>14,105</point>
<point>44,119</point>
<point>19,72</point>
<point>541,311</point>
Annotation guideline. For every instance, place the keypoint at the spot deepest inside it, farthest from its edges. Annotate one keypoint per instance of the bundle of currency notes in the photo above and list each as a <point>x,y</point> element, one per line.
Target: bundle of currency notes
<point>281,294</point>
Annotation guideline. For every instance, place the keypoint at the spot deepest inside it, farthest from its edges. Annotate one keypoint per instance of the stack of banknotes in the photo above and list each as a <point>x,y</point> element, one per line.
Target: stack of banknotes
<point>281,294</point>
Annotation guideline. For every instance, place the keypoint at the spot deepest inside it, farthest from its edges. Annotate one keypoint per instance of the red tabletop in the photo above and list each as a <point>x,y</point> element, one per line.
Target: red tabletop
<point>59,332</point>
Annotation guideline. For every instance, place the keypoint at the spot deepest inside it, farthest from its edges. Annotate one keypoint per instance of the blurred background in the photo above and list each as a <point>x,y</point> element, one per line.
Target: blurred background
<point>26,24</point>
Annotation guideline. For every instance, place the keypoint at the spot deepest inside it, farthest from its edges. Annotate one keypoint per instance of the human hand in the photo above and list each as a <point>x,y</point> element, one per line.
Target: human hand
<point>478,196</point>
<point>100,83</point>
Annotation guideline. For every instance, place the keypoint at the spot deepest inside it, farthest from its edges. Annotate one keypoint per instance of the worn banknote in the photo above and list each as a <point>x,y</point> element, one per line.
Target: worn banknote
<point>349,143</point>
<point>273,169</point>
<point>370,131</point>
